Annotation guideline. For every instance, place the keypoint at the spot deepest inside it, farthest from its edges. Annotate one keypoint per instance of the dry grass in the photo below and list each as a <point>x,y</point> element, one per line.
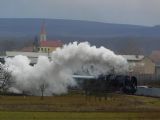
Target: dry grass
<point>79,116</point>
<point>78,102</point>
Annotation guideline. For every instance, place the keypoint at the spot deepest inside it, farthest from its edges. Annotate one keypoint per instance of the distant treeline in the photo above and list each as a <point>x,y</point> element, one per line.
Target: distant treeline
<point>14,43</point>
<point>120,45</point>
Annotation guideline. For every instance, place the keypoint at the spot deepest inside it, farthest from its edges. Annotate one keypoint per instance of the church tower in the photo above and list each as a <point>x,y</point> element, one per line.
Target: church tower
<point>43,36</point>
<point>44,45</point>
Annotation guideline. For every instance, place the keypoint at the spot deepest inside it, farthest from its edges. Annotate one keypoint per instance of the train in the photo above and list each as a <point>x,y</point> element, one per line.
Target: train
<point>107,83</point>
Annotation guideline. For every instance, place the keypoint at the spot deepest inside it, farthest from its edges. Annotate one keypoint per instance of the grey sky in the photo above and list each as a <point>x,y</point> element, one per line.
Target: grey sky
<point>142,12</point>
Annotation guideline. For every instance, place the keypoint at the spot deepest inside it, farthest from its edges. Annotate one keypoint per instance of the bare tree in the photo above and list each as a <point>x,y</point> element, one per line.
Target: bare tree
<point>5,78</point>
<point>43,87</point>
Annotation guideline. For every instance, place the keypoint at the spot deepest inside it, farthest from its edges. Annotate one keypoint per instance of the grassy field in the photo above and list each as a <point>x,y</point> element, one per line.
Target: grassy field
<point>78,107</point>
<point>79,116</point>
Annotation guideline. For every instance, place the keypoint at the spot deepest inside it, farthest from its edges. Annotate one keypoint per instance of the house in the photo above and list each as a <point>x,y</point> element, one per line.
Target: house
<point>139,64</point>
<point>28,49</point>
<point>33,56</point>
<point>41,44</point>
<point>155,56</point>
<point>49,46</point>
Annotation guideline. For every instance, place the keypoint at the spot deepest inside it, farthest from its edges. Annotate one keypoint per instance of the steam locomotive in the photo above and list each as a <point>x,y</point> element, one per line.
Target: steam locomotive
<point>107,83</point>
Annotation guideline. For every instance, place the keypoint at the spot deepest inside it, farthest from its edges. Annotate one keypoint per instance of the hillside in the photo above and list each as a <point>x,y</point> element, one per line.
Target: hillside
<point>73,28</point>
<point>107,34</point>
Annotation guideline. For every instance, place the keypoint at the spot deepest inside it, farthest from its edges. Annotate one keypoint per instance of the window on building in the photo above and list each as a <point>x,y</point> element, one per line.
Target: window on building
<point>42,49</point>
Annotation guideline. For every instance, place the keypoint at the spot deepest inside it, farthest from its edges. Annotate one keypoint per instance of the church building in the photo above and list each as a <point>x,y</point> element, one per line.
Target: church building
<point>43,45</point>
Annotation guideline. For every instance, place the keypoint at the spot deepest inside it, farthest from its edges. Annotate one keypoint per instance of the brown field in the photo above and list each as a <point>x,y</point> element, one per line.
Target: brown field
<point>78,107</point>
<point>79,103</point>
<point>79,115</point>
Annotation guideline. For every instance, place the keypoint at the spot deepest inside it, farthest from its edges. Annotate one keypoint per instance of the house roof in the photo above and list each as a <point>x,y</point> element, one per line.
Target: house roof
<point>27,49</point>
<point>28,54</point>
<point>155,56</point>
<point>47,43</point>
<point>133,57</point>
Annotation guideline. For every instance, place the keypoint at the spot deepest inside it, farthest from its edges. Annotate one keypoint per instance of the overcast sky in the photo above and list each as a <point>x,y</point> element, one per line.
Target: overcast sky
<point>140,12</point>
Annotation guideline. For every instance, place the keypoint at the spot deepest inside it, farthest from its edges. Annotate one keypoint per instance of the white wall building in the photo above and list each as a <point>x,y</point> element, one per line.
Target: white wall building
<point>139,64</point>
<point>33,56</point>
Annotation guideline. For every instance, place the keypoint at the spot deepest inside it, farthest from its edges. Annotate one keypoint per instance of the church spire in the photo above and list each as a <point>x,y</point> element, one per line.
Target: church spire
<point>43,36</point>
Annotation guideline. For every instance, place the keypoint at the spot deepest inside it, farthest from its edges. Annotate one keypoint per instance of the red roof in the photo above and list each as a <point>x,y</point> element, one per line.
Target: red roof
<point>46,43</point>
<point>27,49</point>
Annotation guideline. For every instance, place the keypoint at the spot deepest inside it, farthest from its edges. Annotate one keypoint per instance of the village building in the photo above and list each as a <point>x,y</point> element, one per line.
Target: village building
<point>139,64</point>
<point>155,57</point>
<point>44,45</point>
<point>40,47</point>
<point>33,56</point>
<point>49,46</point>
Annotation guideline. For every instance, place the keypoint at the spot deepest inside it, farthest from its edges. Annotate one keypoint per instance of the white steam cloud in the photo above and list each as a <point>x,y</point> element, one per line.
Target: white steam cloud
<point>56,74</point>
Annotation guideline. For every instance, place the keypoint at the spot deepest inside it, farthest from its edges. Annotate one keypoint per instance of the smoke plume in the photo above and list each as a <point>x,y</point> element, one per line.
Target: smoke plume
<point>55,74</point>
